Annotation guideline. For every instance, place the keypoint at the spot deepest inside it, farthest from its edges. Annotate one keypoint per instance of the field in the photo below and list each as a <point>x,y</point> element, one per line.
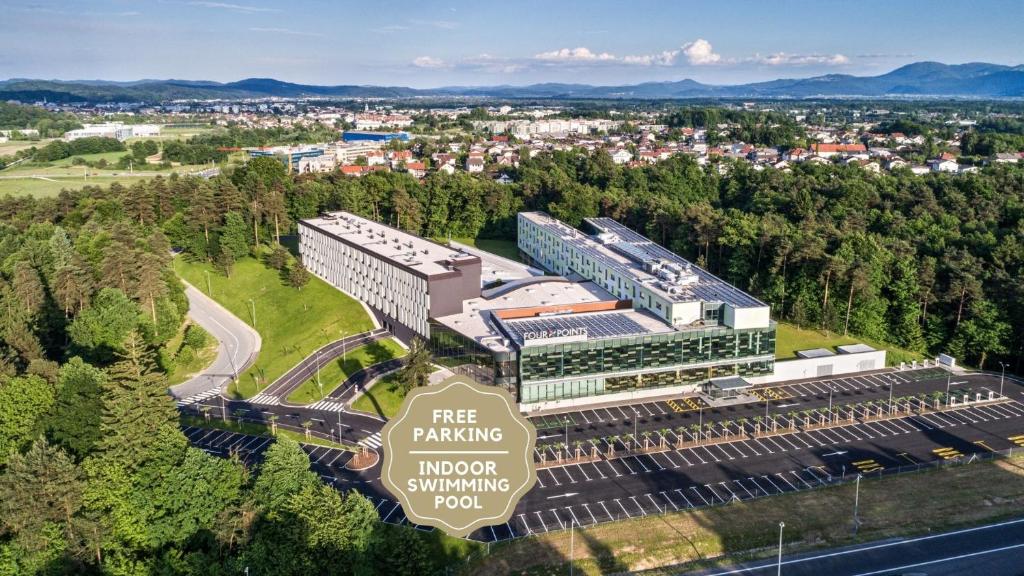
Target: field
<point>48,179</point>
<point>789,339</point>
<point>985,492</point>
<point>292,323</point>
<point>202,359</point>
<point>332,374</point>
<point>11,146</point>
<point>506,248</point>
<point>384,398</point>
<point>46,187</point>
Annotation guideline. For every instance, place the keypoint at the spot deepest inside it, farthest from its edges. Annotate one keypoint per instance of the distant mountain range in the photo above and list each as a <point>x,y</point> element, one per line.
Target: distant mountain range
<point>921,79</point>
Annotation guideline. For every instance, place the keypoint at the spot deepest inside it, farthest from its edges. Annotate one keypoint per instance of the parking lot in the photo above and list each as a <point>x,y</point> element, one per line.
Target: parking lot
<point>744,467</point>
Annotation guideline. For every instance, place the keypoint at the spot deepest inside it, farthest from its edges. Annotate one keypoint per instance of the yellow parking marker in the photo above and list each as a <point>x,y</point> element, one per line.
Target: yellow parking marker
<point>984,445</point>
<point>866,466</point>
<point>675,406</point>
<point>693,404</point>
<point>947,453</point>
<point>757,394</point>
<point>1018,440</point>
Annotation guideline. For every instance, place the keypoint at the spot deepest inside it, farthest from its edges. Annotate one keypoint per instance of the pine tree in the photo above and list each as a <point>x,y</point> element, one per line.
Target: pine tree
<point>136,406</point>
<point>40,495</point>
<point>149,285</point>
<point>298,276</point>
<point>28,286</point>
<point>416,371</point>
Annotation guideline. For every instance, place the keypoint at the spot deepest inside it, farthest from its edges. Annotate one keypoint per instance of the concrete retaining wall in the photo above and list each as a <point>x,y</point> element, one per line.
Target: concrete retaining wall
<point>823,367</point>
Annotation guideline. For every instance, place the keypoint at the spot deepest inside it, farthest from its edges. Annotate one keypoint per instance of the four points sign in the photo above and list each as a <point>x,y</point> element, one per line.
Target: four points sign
<point>459,456</point>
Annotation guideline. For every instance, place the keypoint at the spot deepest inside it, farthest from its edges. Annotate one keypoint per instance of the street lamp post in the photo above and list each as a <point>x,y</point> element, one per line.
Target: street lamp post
<point>891,386</point>
<point>1002,378</point>
<point>830,388</point>
<point>253,303</point>
<point>209,288</point>
<point>781,526</point>
<point>636,416</point>
<point>566,422</point>
<point>949,376</point>
<point>856,505</point>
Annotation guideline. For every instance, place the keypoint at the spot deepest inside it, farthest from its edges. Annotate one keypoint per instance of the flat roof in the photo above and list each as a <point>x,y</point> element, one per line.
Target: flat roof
<point>476,321</point>
<point>587,325</point>
<point>730,383</point>
<point>815,353</point>
<point>632,255</point>
<point>391,244</point>
<point>854,348</point>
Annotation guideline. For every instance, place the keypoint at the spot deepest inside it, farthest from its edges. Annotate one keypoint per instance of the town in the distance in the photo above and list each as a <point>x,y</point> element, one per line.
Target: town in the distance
<point>762,307</point>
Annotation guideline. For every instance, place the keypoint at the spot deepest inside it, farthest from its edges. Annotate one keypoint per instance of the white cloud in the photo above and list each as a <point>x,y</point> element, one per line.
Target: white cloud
<point>389,28</point>
<point>665,58</point>
<point>428,62</point>
<point>287,32</point>
<point>784,59</point>
<point>700,53</point>
<point>579,54</point>
<point>234,7</point>
<point>441,24</point>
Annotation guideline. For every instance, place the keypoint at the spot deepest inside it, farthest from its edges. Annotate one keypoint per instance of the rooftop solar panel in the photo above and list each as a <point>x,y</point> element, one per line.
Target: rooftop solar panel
<point>595,326</point>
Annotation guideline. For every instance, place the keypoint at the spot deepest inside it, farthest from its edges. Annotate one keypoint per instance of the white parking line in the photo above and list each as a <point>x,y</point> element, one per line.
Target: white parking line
<point>783,478</point>
<point>740,484</point>
<point>800,478</point>
<point>624,511</point>
<point>694,488</point>
<point>685,499</point>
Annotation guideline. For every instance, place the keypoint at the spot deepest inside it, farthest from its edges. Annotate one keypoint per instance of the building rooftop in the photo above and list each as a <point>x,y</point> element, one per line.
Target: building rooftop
<point>657,268</point>
<point>478,322</point>
<point>854,348</point>
<point>815,353</point>
<point>568,326</point>
<point>397,246</point>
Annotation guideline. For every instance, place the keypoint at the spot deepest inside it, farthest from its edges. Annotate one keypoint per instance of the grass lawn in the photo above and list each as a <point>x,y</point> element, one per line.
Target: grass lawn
<point>506,248</point>
<point>202,359</point>
<point>292,323</point>
<point>899,505</point>
<point>332,374</point>
<point>383,399</point>
<point>789,339</point>
<point>257,429</point>
<point>11,146</point>
<point>49,187</point>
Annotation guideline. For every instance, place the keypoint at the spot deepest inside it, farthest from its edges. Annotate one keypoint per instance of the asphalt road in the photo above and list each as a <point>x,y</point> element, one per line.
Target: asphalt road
<point>239,346</point>
<point>307,368</point>
<point>993,550</point>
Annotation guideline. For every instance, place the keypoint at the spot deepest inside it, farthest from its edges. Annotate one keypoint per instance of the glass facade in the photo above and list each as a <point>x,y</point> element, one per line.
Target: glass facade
<point>709,345</point>
<point>464,356</point>
<point>596,367</point>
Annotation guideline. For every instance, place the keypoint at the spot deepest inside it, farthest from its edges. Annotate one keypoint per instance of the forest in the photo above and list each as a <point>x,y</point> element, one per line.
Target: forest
<point>95,476</point>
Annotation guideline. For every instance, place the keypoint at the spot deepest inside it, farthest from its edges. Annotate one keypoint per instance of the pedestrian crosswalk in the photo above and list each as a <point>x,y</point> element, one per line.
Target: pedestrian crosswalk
<point>373,440</point>
<point>197,398</point>
<point>265,399</point>
<point>328,405</point>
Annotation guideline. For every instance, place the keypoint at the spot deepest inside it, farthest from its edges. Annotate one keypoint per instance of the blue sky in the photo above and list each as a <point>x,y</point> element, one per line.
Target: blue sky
<point>426,44</point>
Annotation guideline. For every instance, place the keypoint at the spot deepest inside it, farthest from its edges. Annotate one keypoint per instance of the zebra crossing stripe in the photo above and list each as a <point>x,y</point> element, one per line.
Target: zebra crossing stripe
<point>328,405</point>
<point>266,399</point>
<point>373,440</point>
<point>197,398</point>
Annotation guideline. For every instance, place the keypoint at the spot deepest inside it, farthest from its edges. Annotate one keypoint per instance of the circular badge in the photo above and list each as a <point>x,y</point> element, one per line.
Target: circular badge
<point>459,456</point>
